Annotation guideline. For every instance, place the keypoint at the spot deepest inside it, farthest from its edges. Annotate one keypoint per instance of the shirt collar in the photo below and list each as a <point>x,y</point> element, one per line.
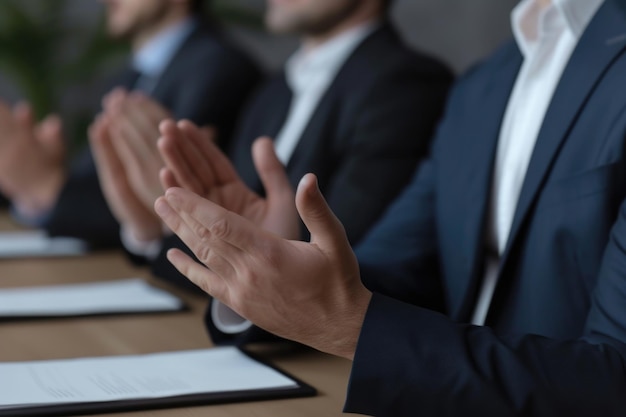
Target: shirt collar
<point>156,54</point>
<point>325,60</point>
<point>529,19</point>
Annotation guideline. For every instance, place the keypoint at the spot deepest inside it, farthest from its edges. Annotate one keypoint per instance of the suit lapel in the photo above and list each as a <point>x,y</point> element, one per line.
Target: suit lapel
<point>359,59</point>
<point>603,41</point>
<point>478,173</point>
<point>266,118</point>
<point>177,67</point>
<point>176,64</point>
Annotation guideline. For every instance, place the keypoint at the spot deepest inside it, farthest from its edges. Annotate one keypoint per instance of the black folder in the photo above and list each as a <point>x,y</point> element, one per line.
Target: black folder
<point>300,390</point>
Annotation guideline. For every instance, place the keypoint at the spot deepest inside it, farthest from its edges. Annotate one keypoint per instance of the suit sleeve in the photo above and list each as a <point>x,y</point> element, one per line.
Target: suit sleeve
<point>389,138</point>
<point>81,210</point>
<point>411,360</point>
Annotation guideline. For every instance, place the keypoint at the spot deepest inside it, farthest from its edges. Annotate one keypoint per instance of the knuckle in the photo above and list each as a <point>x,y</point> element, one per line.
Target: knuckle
<point>203,234</point>
<point>220,228</point>
<point>204,254</point>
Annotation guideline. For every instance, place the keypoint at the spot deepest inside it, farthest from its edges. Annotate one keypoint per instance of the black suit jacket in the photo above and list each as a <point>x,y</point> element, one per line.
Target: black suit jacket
<point>554,343</point>
<point>367,134</point>
<point>365,139</point>
<point>207,81</point>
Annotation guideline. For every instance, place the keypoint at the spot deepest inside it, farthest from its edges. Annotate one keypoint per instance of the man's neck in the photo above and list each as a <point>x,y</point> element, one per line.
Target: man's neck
<point>144,36</point>
<point>310,42</point>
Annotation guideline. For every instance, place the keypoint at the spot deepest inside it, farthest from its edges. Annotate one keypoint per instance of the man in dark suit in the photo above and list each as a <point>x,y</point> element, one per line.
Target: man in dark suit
<point>179,58</point>
<point>496,284</point>
<point>354,105</point>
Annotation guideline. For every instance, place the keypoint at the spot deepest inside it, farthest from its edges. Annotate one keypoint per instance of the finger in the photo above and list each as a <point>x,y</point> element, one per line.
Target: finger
<point>270,169</point>
<point>184,159</point>
<point>152,110</point>
<point>209,133</point>
<point>127,153</point>
<point>168,180</point>
<point>112,101</point>
<point>222,167</point>
<point>142,165</point>
<point>207,280</point>
<point>145,115</point>
<point>51,127</point>
<point>218,225</point>
<point>110,168</point>
<point>326,230</point>
<point>208,248</point>
<point>181,158</point>
<point>135,130</point>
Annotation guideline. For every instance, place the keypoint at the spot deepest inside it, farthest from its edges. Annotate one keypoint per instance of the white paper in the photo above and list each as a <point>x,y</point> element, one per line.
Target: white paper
<point>163,375</point>
<point>124,296</point>
<point>36,243</point>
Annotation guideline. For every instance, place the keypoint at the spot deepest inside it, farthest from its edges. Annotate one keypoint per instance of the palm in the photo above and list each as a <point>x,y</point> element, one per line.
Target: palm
<point>194,163</point>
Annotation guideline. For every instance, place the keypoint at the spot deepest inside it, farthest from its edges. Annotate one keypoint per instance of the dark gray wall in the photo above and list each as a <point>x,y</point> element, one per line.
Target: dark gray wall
<point>458,31</point>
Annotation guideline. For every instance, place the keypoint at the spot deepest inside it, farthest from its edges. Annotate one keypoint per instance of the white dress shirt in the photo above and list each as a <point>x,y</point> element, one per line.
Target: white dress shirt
<point>547,33</point>
<point>309,75</point>
<point>155,55</point>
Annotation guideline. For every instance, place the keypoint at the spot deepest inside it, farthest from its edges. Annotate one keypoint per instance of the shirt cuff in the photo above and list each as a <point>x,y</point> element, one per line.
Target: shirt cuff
<point>147,249</point>
<point>226,320</point>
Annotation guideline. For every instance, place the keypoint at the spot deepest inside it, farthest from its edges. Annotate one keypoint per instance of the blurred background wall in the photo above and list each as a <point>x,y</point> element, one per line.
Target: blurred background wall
<point>53,52</point>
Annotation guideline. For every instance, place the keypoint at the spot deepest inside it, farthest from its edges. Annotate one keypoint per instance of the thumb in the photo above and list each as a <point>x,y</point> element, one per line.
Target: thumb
<point>270,169</point>
<point>326,230</point>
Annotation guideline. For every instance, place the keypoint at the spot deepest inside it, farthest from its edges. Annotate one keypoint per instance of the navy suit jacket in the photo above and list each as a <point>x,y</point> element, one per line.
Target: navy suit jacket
<point>364,140</point>
<point>208,81</point>
<point>555,339</point>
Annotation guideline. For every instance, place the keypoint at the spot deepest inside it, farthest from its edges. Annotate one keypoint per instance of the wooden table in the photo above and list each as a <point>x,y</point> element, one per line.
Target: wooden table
<point>122,335</point>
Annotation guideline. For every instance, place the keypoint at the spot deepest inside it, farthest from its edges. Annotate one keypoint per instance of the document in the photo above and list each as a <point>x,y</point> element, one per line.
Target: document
<point>111,297</point>
<point>114,383</point>
<point>36,244</point>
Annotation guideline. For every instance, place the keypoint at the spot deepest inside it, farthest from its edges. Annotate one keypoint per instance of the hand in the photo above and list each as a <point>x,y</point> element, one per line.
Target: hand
<point>134,131</point>
<point>307,292</point>
<point>195,163</point>
<point>32,168</point>
<point>130,211</point>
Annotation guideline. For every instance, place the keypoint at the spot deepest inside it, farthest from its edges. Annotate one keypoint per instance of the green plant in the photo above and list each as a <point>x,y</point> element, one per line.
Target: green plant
<point>32,34</point>
<point>30,42</point>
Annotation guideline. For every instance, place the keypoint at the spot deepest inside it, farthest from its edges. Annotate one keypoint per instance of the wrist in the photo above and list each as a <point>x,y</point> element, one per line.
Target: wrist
<point>348,325</point>
<point>42,195</point>
<point>149,249</point>
<point>144,234</point>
